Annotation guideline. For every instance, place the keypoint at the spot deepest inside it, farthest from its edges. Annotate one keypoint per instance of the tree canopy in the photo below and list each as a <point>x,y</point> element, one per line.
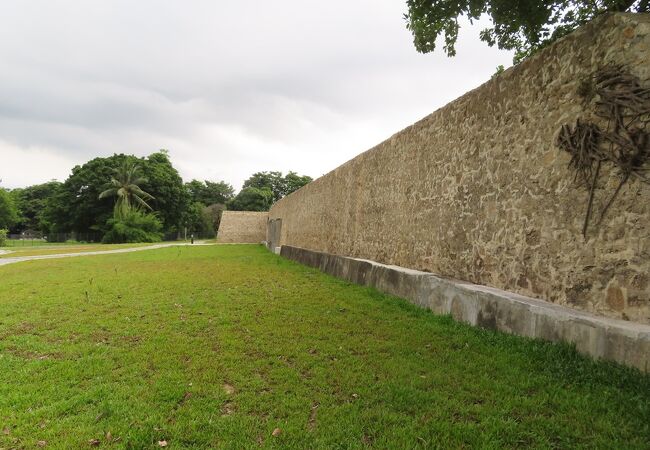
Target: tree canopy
<point>125,186</point>
<point>166,185</point>
<point>262,189</point>
<point>210,192</point>
<point>279,185</point>
<point>77,206</point>
<point>31,203</point>
<point>8,210</point>
<point>252,199</point>
<point>522,26</point>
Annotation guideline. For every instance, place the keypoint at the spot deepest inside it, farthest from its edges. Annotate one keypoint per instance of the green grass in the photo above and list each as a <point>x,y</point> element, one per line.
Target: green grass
<point>26,243</point>
<point>218,346</point>
<point>76,248</point>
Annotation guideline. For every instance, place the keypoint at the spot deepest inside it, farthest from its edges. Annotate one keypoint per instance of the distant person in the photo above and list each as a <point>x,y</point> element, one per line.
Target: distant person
<point>192,238</point>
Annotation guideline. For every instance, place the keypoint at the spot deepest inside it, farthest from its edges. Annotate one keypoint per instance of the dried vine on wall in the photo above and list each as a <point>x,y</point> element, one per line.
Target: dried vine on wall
<point>619,100</point>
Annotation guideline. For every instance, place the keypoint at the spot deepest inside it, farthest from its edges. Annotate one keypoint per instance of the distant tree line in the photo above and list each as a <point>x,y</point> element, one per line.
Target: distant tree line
<point>86,201</point>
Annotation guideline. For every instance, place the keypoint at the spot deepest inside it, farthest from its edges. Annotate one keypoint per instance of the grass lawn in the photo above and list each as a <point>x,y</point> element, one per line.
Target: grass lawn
<point>26,243</point>
<point>221,345</point>
<point>74,248</point>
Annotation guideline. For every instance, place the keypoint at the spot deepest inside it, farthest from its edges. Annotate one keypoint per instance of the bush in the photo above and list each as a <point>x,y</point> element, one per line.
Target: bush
<point>134,227</point>
<point>3,237</point>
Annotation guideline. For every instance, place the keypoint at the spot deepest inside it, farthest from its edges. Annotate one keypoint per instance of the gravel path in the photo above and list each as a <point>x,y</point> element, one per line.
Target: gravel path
<point>5,261</point>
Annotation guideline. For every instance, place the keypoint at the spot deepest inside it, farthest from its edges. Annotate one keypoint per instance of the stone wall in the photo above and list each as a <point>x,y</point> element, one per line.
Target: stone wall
<point>242,227</point>
<point>478,191</point>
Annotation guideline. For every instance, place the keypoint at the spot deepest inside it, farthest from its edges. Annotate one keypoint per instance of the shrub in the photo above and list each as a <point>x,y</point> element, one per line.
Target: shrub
<point>3,237</point>
<point>135,226</point>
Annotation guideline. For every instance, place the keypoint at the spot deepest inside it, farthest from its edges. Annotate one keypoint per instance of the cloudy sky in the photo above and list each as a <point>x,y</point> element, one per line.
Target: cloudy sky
<point>229,88</point>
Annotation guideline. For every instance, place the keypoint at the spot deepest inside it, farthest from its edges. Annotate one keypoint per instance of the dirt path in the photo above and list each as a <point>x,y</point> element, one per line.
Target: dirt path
<point>5,261</point>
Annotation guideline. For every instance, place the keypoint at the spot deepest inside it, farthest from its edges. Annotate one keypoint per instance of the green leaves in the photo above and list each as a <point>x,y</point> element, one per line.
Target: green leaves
<point>279,186</point>
<point>133,226</point>
<point>8,210</point>
<point>522,26</point>
<point>429,19</point>
<point>252,199</point>
<point>31,203</point>
<point>129,196</point>
<point>210,192</point>
<point>263,189</point>
<point>83,202</point>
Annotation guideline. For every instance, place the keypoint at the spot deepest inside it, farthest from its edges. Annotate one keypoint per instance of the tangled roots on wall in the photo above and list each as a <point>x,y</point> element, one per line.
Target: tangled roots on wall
<point>618,98</point>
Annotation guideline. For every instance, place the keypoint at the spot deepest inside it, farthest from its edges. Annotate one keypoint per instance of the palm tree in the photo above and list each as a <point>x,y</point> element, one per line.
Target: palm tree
<point>125,188</point>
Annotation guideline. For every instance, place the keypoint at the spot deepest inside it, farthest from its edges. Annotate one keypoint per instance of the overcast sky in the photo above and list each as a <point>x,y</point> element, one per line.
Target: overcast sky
<point>229,88</point>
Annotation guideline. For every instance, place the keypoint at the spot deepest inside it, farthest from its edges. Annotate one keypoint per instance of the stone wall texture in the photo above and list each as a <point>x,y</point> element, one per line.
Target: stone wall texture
<point>478,191</point>
<point>242,227</point>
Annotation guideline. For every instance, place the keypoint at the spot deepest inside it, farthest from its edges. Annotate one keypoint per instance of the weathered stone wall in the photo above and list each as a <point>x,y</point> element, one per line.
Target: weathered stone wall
<point>242,227</point>
<point>478,191</point>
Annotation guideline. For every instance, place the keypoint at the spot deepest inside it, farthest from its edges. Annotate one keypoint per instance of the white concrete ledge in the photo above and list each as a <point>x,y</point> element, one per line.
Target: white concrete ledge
<point>617,340</point>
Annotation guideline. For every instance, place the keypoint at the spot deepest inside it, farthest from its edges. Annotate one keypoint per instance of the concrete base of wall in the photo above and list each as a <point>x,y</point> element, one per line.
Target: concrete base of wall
<point>624,342</point>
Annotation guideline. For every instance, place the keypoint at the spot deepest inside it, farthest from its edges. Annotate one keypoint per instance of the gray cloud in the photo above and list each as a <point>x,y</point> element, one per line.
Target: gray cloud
<point>228,87</point>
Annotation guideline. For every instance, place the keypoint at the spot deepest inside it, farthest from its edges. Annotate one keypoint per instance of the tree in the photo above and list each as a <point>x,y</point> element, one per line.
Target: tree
<point>210,192</point>
<point>203,219</point>
<point>271,181</point>
<point>252,199</point>
<point>523,26</point>
<point>213,215</point>
<point>293,182</point>
<point>32,202</point>
<point>125,186</point>
<point>280,186</point>
<point>76,206</point>
<point>8,210</point>
<point>193,217</point>
<point>166,185</point>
